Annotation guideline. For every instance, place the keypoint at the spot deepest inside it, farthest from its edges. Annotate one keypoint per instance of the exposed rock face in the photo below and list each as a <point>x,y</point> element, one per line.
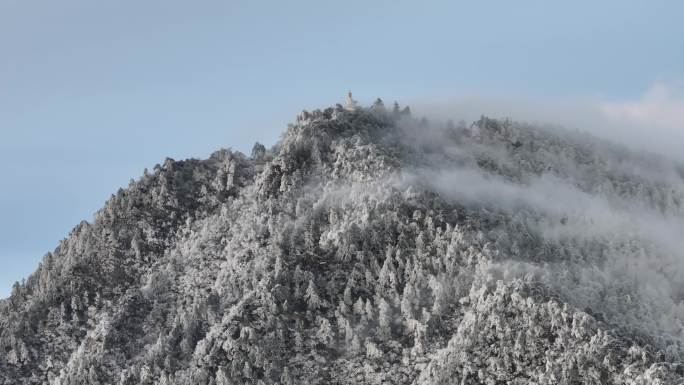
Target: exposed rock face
<point>367,247</point>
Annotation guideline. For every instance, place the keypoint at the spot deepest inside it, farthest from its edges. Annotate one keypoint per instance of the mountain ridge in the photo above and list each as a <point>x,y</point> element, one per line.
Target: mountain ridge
<point>346,254</point>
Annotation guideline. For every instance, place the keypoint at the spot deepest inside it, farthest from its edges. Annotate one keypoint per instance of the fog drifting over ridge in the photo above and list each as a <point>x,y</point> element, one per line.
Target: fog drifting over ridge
<point>608,218</point>
<point>557,212</point>
<point>652,122</point>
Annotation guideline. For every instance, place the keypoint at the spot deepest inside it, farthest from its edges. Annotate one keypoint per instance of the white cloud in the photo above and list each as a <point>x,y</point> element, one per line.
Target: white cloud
<point>653,122</point>
<point>662,105</point>
<point>641,250</point>
<point>641,246</point>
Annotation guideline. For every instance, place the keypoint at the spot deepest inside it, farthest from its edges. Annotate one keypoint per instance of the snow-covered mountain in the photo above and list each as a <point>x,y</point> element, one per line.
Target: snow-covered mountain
<point>369,247</point>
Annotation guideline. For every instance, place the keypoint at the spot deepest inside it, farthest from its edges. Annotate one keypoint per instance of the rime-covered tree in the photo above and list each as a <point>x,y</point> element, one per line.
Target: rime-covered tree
<point>368,247</point>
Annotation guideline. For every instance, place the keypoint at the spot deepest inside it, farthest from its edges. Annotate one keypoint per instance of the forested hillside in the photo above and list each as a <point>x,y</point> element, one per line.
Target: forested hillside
<point>369,247</point>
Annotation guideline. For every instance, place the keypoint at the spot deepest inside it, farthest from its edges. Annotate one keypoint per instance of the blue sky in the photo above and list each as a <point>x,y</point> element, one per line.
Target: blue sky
<point>91,93</point>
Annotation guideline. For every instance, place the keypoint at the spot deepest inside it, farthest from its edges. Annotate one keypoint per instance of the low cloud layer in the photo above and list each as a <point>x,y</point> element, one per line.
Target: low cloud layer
<point>642,257</point>
<point>611,218</point>
<point>653,122</point>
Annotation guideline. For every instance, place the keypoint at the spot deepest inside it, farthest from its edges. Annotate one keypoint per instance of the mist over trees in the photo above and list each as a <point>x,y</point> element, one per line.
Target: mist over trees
<point>369,246</point>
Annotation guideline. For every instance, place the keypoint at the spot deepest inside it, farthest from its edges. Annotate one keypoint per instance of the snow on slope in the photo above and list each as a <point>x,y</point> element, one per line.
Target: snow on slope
<point>369,247</point>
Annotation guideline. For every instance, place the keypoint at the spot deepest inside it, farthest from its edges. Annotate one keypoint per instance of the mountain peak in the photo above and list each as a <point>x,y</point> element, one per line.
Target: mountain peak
<point>368,246</point>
